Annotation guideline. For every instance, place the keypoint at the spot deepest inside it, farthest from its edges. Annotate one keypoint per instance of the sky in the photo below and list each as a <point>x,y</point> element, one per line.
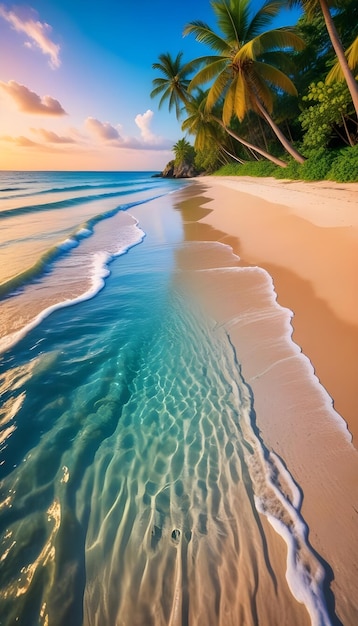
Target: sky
<point>76,77</point>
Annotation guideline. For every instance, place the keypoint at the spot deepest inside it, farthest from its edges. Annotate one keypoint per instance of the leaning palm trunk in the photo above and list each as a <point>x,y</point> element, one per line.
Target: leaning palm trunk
<point>263,153</point>
<point>279,134</point>
<point>339,50</point>
<point>233,156</point>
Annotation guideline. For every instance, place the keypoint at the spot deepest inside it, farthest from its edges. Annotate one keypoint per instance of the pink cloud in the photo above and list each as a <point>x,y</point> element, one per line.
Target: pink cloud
<point>38,32</point>
<point>103,130</point>
<point>50,137</point>
<point>20,141</point>
<point>29,102</point>
<point>107,133</point>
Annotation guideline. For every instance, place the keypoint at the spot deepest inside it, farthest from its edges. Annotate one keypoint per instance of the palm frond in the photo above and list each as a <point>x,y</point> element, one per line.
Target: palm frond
<point>242,97</point>
<point>352,54</point>
<point>165,96</point>
<point>263,18</point>
<point>204,34</point>
<point>230,17</point>
<point>336,73</point>
<point>228,108</point>
<point>260,89</point>
<point>275,77</point>
<point>215,66</point>
<point>277,39</point>
<point>158,89</point>
<point>278,58</point>
<point>218,89</point>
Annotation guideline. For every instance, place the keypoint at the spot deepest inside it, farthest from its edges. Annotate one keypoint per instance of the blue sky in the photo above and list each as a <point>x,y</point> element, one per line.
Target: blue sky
<point>76,76</point>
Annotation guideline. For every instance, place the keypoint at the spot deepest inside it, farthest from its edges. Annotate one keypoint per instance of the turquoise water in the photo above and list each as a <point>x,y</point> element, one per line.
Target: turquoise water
<point>132,474</point>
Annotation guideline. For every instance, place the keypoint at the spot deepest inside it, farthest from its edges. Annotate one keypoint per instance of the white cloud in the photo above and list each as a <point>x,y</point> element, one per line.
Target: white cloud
<point>29,102</point>
<point>38,32</point>
<point>106,132</point>
<point>143,122</point>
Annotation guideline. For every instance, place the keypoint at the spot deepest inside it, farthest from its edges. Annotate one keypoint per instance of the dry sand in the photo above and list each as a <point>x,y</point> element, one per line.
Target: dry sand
<point>297,244</point>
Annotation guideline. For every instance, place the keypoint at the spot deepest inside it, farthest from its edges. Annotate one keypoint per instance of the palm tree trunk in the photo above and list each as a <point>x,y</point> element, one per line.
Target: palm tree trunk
<point>279,134</point>
<point>233,156</point>
<point>339,50</point>
<point>347,131</point>
<point>263,153</point>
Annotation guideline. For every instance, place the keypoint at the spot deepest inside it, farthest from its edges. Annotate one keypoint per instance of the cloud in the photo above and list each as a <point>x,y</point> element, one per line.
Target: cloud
<point>29,102</point>
<point>143,122</point>
<point>38,32</point>
<point>107,133</point>
<point>103,130</point>
<point>49,147</point>
<point>21,141</point>
<point>50,137</point>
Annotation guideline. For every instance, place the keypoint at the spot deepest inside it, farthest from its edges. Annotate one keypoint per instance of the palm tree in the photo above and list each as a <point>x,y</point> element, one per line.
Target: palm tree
<point>183,151</point>
<point>336,73</point>
<point>206,128</point>
<point>246,67</point>
<point>173,86</point>
<point>173,83</point>
<point>310,7</point>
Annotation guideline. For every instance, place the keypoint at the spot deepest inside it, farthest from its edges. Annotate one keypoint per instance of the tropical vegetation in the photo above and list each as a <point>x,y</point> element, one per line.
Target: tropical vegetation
<point>267,100</point>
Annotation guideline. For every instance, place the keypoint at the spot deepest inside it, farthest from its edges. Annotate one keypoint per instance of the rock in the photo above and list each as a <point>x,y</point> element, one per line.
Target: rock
<point>168,171</point>
<point>184,170</point>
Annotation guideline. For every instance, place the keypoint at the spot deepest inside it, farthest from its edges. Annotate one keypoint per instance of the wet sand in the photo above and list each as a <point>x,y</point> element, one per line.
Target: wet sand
<point>296,275</point>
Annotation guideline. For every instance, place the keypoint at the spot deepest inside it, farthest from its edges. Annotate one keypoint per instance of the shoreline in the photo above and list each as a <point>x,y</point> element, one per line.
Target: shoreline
<point>280,294</point>
<point>311,252</point>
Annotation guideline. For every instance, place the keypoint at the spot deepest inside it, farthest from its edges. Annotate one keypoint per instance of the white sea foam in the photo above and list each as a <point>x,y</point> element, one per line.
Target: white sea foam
<point>270,311</point>
<point>99,271</point>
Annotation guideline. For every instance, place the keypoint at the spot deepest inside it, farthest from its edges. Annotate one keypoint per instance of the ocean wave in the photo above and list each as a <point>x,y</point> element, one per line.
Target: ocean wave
<point>99,272</point>
<point>67,189</point>
<point>7,189</point>
<point>74,239</point>
<point>68,202</point>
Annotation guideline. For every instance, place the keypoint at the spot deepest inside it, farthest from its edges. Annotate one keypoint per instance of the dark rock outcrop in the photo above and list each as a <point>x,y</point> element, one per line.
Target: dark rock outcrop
<point>184,170</point>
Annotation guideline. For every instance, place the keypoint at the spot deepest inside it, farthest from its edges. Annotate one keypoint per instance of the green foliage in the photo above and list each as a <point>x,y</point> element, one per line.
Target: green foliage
<point>344,168</point>
<point>292,171</point>
<point>328,106</point>
<point>184,152</point>
<point>207,160</point>
<point>248,65</point>
<point>311,63</point>
<point>252,168</point>
<point>318,165</point>
<point>172,84</point>
<point>340,166</point>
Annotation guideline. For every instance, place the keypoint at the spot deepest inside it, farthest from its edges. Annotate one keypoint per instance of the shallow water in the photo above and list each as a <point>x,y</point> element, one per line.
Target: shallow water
<point>134,483</point>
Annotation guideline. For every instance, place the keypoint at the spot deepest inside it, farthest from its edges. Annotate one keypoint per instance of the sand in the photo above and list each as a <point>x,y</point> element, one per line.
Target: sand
<point>289,304</point>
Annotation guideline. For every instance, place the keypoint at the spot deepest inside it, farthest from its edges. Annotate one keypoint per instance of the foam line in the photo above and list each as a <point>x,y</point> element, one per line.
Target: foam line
<point>100,271</point>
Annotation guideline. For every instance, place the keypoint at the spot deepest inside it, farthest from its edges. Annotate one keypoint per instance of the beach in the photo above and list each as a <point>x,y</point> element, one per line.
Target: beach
<point>295,257</point>
<point>178,419</point>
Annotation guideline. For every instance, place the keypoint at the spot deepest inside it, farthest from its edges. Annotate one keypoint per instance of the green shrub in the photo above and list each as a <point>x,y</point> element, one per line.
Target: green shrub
<point>341,166</point>
<point>251,168</point>
<point>292,171</point>
<point>328,105</point>
<point>317,165</point>
<point>344,168</point>
<point>230,169</point>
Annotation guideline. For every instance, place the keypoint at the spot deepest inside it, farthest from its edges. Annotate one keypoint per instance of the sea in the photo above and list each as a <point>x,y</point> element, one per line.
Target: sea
<point>132,475</point>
